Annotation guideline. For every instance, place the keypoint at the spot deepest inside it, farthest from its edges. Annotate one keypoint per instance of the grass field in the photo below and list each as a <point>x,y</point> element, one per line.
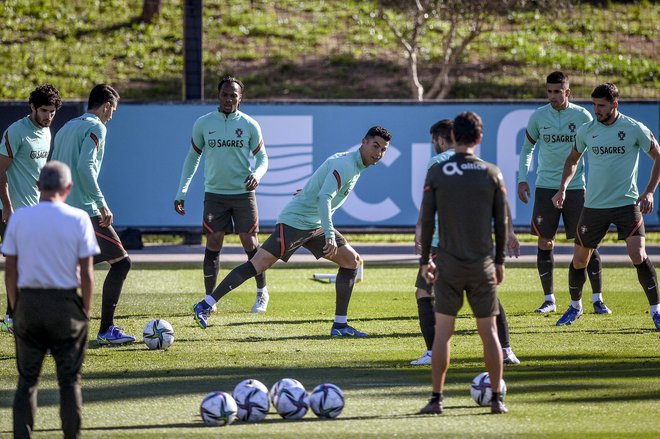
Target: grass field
<point>600,377</point>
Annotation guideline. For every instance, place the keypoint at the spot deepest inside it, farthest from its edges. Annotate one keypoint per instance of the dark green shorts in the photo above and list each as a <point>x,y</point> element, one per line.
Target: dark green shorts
<point>111,247</point>
<point>230,213</point>
<point>285,240</point>
<point>545,219</point>
<point>476,279</point>
<point>594,223</point>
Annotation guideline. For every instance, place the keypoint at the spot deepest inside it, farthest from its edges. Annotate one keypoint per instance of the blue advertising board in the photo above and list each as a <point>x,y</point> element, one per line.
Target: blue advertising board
<point>147,144</point>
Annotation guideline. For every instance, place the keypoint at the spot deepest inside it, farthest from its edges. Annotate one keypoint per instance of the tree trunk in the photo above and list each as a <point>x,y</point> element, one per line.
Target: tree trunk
<point>150,9</point>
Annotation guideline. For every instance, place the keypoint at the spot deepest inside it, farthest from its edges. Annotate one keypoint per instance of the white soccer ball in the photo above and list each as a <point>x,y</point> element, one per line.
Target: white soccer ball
<point>292,402</point>
<point>326,401</point>
<point>481,390</point>
<point>284,382</point>
<point>158,334</point>
<point>218,409</point>
<point>252,400</point>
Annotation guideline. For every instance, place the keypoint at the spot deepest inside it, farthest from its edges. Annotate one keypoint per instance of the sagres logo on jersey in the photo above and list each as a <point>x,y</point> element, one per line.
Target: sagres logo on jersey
<point>239,132</point>
<point>622,135</point>
<point>571,126</point>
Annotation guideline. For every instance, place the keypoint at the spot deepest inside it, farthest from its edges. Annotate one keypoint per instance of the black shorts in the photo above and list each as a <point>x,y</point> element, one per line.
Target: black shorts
<point>230,213</point>
<point>285,240</point>
<point>594,223</point>
<point>478,281</point>
<point>545,219</point>
<point>420,282</point>
<point>111,247</point>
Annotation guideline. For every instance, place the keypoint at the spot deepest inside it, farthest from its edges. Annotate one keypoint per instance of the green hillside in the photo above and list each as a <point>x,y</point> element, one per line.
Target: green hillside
<point>296,49</point>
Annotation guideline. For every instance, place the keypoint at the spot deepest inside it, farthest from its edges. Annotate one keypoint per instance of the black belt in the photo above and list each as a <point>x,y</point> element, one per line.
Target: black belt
<point>47,290</point>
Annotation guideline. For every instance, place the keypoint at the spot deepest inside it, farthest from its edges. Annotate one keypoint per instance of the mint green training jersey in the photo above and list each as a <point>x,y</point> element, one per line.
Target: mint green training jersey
<point>324,193</point>
<point>553,132</point>
<point>613,159</point>
<point>228,141</point>
<point>439,158</point>
<point>28,147</point>
<point>80,143</point>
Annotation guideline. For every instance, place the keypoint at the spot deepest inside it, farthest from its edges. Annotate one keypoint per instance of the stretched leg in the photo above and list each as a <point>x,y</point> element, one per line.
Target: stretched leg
<point>646,274</point>
<point>261,261</point>
<point>503,335</point>
<point>426,315</point>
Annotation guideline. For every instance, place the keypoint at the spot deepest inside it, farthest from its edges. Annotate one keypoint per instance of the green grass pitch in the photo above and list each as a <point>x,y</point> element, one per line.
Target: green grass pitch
<point>599,378</point>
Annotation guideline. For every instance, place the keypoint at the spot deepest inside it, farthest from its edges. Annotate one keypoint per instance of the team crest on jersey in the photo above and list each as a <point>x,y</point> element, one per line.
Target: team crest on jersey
<point>622,135</point>
<point>583,229</point>
<point>239,132</point>
<point>571,126</point>
<point>546,138</point>
<point>539,220</point>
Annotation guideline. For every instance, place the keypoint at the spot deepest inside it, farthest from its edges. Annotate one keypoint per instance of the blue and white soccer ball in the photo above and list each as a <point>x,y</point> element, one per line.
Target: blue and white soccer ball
<point>158,334</point>
<point>482,391</point>
<point>326,401</point>
<point>279,385</point>
<point>251,398</point>
<point>218,409</point>
<point>292,402</point>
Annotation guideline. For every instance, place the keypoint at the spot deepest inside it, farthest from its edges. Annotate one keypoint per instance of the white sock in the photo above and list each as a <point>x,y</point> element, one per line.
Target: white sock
<point>342,320</point>
<point>550,298</point>
<point>210,300</point>
<point>596,297</point>
<point>577,304</point>
<point>261,291</point>
<point>655,308</point>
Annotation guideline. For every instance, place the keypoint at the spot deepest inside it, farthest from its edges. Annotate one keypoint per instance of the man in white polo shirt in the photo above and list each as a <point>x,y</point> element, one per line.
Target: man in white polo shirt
<point>49,249</point>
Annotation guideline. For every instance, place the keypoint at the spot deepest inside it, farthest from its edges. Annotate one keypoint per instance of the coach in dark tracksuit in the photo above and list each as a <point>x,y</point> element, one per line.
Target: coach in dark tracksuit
<point>45,245</point>
<point>470,198</point>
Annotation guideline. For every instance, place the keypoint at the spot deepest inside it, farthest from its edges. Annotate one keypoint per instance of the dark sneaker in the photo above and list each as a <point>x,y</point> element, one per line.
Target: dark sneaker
<point>432,408</point>
<point>114,336</point>
<point>548,306</point>
<point>346,331</point>
<point>8,324</point>
<point>201,314</point>
<point>570,316</point>
<point>601,308</point>
<point>497,406</point>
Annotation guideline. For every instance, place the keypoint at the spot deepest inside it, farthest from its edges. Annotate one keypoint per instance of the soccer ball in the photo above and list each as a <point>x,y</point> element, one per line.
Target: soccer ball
<point>252,400</point>
<point>326,401</point>
<point>292,402</point>
<point>481,390</point>
<point>218,409</point>
<point>158,334</point>
<point>284,382</point>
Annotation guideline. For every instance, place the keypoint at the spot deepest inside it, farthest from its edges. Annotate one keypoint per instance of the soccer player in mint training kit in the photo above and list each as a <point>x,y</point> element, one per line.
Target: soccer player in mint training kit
<point>444,148</point>
<point>613,142</point>
<point>228,137</point>
<point>24,150</point>
<point>469,197</point>
<point>552,130</point>
<point>306,221</point>
<point>80,144</point>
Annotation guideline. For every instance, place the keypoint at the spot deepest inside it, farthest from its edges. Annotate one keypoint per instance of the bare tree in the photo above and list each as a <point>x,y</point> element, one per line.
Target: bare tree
<point>150,10</point>
<point>458,23</point>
